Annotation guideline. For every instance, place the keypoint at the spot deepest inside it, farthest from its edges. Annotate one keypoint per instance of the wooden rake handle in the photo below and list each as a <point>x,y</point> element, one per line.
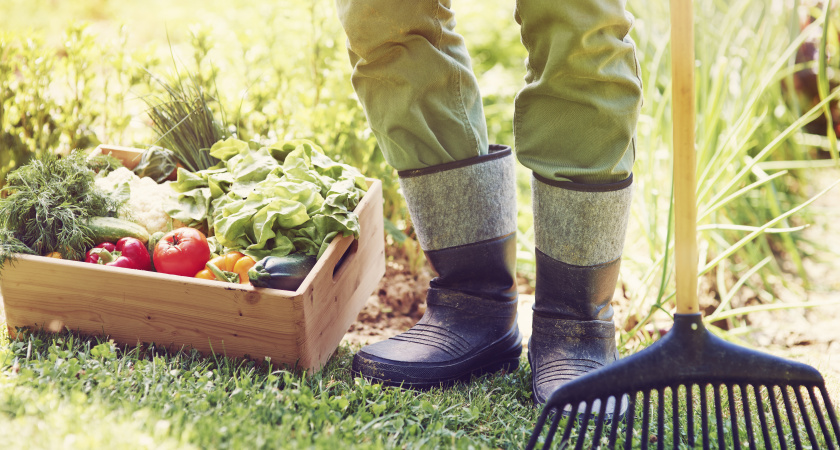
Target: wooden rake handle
<point>682,79</point>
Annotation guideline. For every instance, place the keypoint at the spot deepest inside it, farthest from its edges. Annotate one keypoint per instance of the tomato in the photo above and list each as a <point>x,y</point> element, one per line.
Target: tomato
<point>182,252</point>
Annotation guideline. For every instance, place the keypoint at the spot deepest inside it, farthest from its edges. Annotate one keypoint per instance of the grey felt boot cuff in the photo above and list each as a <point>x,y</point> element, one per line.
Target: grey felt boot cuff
<point>581,224</point>
<point>463,202</point>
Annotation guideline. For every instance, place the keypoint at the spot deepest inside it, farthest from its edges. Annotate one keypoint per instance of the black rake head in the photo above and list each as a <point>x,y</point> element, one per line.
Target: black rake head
<point>746,398</point>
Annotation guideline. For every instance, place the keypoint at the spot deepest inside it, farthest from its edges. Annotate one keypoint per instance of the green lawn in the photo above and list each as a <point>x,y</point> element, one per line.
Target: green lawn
<point>65,391</point>
<point>62,391</point>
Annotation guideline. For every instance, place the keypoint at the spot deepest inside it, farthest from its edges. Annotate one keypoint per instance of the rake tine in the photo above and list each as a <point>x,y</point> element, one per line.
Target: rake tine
<point>689,405</point>
<point>805,419</point>
<point>646,421</point>
<point>791,418</point>
<point>538,428</point>
<point>615,420</point>
<point>553,428</point>
<point>599,424</point>
<point>775,408</point>
<point>733,416</point>
<point>675,414</point>
<point>762,420</point>
<point>832,416</point>
<point>631,418</point>
<point>660,418</point>
<point>718,415</point>
<point>821,418</point>
<point>567,431</point>
<point>587,413</point>
<point>704,416</point>
<point>745,401</point>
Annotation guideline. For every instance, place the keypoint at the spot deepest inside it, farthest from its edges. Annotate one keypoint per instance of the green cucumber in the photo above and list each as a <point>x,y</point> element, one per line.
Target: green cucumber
<point>153,240</point>
<point>111,229</point>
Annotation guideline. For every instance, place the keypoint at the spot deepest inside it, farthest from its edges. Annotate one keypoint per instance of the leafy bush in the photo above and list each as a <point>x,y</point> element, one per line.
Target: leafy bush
<point>55,99</point>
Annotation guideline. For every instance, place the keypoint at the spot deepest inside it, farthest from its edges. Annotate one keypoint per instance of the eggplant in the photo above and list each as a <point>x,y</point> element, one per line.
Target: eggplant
<point>282,272</point>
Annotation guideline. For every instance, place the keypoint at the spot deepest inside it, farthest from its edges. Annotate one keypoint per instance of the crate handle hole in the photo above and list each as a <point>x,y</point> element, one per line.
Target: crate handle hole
<point>345,258</point>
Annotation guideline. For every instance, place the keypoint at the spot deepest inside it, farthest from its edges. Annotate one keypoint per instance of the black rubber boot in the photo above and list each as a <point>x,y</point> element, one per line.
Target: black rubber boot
<point>579,233</point>
<point>465,217</point>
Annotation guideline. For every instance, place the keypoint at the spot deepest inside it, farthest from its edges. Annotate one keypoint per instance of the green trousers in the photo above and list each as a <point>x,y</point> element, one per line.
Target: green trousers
<point>574,120</point>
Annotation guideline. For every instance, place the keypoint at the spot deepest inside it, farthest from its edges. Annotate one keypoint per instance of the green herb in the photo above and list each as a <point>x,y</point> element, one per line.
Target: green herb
<point>185,123</point>
<point>49,200</point>
<point>11,246</point>
<point>104,163</point>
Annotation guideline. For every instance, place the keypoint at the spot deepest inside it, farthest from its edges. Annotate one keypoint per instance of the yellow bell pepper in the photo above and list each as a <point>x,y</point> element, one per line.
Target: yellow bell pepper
<point>228,267</point>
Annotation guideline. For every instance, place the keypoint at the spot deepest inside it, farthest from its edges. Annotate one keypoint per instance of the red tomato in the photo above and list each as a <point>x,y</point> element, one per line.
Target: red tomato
<point>182,252</point>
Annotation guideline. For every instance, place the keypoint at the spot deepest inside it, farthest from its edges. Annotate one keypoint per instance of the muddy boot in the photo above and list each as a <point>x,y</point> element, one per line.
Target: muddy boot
<point>465,217</point>
<point>580,233</point>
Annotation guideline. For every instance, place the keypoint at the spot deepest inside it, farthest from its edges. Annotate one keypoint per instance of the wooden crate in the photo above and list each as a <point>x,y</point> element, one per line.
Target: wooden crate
<point>301,328</point>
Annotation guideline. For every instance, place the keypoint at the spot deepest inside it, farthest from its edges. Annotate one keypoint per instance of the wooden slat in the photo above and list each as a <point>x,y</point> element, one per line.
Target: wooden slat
<point>146,306</point>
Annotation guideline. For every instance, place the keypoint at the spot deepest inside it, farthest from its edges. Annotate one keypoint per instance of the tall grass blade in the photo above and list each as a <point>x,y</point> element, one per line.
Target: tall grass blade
<point>822,83</point>
<point>740,244</point>
<point>747,310</point>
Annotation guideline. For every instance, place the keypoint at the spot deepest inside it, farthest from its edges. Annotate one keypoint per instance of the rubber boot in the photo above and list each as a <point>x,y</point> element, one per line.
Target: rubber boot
<point>464,214</point>
<point>579,231</point>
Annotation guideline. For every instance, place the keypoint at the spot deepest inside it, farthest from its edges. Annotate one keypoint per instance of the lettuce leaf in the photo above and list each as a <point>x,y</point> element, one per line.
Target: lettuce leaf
<point>273,200</point>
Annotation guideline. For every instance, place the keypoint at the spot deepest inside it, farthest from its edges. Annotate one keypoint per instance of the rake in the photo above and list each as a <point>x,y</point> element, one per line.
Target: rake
<point>761,394</point>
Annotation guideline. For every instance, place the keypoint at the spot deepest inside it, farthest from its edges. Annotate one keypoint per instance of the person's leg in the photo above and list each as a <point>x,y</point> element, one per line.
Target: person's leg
<point>575,119</point>
<point>574,124</point>
<point>413,77</point>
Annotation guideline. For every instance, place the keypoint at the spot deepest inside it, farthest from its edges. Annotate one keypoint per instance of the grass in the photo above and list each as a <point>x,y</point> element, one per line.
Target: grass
<point>92,394</point>
<point>70,391</point>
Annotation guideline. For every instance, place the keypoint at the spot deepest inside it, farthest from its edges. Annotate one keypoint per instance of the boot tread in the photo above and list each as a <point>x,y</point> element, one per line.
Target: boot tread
<point>426,340</point>
<point>427,327</point>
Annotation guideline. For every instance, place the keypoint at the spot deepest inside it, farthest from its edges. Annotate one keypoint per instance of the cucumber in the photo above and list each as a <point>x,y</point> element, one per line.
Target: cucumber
<point>111,229</point>
<point>153,240</point>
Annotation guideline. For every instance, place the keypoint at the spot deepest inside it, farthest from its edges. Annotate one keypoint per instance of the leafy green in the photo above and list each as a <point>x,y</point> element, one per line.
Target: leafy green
<point>228,148</point>
<point>273,200</point>
<point>49,200</point>
<point>156,163</point>
<point>104,163</point>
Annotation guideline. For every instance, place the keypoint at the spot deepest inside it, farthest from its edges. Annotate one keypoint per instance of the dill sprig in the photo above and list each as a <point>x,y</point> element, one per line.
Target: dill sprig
<point>49,201</point>
<point>11,246</point>
<point>104,163</point>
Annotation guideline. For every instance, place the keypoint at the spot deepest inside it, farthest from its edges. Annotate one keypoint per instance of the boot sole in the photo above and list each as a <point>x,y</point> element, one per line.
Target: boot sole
<point>507,360</point>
